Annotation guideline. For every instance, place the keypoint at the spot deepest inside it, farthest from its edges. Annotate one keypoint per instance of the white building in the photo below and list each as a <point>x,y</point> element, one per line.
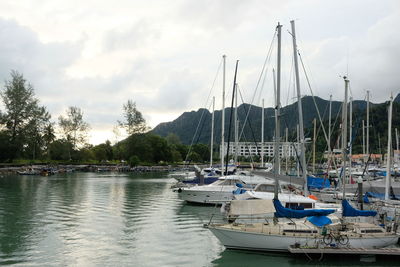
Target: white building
<point>286,149</point>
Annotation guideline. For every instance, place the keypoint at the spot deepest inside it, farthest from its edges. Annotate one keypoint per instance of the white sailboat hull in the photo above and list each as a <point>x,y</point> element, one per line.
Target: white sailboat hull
<point>255,241</point>
<point>206,196</point>
<point>280,243</point>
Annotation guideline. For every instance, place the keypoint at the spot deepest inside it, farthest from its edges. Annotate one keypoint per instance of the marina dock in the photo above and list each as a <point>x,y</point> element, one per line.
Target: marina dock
<point>361,252</point>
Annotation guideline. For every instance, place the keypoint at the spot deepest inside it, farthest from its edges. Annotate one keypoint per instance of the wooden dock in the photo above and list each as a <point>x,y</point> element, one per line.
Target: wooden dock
<point>346,251</point>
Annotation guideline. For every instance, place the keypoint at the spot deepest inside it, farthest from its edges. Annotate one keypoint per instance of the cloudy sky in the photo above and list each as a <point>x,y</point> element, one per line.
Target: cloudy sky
<point>165,54</point>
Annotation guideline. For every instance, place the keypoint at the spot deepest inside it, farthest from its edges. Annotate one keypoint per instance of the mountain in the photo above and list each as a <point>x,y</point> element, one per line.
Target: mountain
<point>397,99</point>
<point>185,126</point>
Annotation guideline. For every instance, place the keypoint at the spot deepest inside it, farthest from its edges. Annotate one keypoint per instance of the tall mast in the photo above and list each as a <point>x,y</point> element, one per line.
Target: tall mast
<point>300,108</point>
<point>212,133</point>
<point>363,137</point>
<point>277,111</point>
<point>298,148</point>
<point>329,126</point>
<point>230,117</point>
<point>287,147</point>
<point>314,143</point>
<point>367,149</point>
<point>236,124</point>
<point>223,116</point>
<point>262,134</point>
<point>350,137</point>
<point>389,149</point>
<point>344,135</point>
<point>397,140</point>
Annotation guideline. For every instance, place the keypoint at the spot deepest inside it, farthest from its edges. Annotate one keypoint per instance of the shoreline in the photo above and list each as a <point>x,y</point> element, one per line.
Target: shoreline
<point>49,169</point>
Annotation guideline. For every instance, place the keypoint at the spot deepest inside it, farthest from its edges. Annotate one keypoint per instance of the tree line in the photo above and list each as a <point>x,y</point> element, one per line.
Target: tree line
<point>28,134</point>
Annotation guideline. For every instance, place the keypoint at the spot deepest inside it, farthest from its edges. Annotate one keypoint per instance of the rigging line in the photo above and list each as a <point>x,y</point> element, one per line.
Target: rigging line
<point>248,147</point>
<point>318,131</point>
<point>334,124</point>
<point>294,147</point>
<point>251,128</point>
<point>264,71</point>
<point>313,98</point>
<point>262,87</point>
<point>202,114</point>
<point>291,79</point>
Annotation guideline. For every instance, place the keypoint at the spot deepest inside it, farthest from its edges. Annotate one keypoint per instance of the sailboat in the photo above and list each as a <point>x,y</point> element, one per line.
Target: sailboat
<point>287,228</point>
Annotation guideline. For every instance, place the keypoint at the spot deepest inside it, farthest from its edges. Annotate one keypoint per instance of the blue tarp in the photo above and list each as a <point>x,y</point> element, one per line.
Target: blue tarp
<point>381,196</point>
<point>196,180</point>
<point>375,195</point>
<point>290,213</point>
<point>319,221</point>
<point>365,198</point>
<point>317,183</point>
<point>239,191</point>
<point>349,211</point>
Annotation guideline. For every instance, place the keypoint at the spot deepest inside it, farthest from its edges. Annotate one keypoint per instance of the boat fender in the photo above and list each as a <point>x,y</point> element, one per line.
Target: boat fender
<point>179,190</point>
<point>313,197</point>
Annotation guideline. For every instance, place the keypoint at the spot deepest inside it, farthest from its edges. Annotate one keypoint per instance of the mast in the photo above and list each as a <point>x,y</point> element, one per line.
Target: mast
<point>223,116</point>
<point>236,124</point>
<point>350,138</point>
<point>212,133</point>
<point>287,147</point>
<point>314,143</point>
<point>277,112</point>
<point>397,140</point>
<point>363,137</point>
<point>301,127</point>
<point>389,149</point>
<point>298,148</point>
<point>344,135</point>
<point>367,149</point>
<point>329,126</point>
<point>262,134</point>
<point>329,132</point>
<point>230,117</point>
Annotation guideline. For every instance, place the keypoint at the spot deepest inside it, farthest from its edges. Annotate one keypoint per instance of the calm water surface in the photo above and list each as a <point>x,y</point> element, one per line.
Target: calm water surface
<point>115,219</point>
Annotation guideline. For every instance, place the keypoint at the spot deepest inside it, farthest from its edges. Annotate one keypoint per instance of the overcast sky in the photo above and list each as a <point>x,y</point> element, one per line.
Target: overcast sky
<point>164,54</point>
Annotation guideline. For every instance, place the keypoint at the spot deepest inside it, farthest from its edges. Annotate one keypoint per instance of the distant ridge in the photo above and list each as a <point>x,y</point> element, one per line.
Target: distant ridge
<point>397,99</point>
<point>185,125</point>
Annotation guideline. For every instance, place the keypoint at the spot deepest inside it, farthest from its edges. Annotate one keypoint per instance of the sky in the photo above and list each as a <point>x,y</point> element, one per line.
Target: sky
<point>166,55</point>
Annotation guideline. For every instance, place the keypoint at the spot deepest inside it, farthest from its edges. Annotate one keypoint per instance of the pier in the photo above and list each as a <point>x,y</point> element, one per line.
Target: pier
<point>335,251</point>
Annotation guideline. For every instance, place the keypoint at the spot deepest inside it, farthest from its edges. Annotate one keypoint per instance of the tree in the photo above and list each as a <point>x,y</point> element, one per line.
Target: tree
<point>134,122</point>
<point>73,127</point>
<point>23,118</point>
<point>103,151</point>
<point>60,150</point>
<point>202,150</point>
<point>173,139</point>
<point>37,139</point>
<point>48,137</point>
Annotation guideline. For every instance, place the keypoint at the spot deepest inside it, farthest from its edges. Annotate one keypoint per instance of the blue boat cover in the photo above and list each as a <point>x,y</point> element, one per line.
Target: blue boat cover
<point>349,211</point>
<point>317,183</point>
<point>319,221</point>
<point>375,195</point>
<point>281,211</point>
<point>196,180</point>
<point>380,195</point>
<point>365,198</point>
<point>238,191</point>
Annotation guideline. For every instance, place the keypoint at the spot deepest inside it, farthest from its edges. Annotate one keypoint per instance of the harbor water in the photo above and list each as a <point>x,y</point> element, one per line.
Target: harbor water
<point>117,219</point>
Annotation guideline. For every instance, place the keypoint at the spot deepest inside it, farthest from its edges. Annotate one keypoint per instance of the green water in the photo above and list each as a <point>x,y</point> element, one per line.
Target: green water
<point>116,219</point>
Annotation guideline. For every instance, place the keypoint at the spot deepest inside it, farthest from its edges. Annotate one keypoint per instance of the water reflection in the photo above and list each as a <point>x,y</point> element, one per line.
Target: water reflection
<point>106,219</point>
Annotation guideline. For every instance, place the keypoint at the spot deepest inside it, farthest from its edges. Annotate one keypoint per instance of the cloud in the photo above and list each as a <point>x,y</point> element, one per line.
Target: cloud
<point>165,54</point>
